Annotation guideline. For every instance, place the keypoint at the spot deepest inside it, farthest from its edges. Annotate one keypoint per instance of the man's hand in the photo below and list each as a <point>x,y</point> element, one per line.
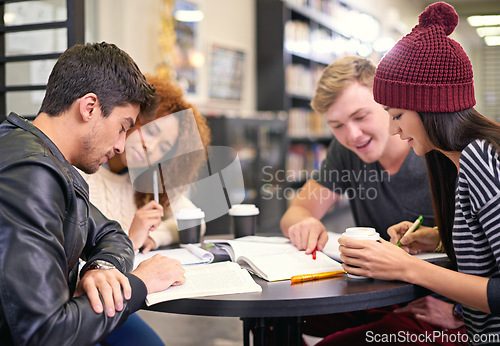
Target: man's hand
<point>146,219</point>
<point>423,239</point>
<point>301,224</point>
<point>433,311</point>
<point>309,234</point>
<point>109,284</point>
<point>159,273</point>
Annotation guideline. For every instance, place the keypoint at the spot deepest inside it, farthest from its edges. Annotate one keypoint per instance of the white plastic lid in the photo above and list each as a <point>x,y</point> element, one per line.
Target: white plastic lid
<point>190,214</point>
<point>361,233</point>
<point>244,210</point>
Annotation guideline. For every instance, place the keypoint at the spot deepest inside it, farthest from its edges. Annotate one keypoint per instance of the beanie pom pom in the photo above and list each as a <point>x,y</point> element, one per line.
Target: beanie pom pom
<point>440,13</point>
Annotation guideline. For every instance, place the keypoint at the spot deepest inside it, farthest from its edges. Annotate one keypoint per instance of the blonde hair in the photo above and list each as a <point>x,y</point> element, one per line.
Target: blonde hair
<point>338,76</point>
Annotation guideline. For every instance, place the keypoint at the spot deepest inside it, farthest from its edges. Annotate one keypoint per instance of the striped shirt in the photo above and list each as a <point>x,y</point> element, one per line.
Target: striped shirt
<point>476,232</point>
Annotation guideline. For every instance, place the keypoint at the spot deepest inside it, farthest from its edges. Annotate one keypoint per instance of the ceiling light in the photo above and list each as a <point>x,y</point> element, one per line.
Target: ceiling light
<point>9,18</point>
<point>488,31</point>
<point>188,16</point>
<point>484,20</point>
<point>492,40</point>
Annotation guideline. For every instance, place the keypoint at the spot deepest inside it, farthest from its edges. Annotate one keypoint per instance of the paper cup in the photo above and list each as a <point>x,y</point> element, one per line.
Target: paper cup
<point>361,233</point>
<point>189,224</point>
<point>243,219</point>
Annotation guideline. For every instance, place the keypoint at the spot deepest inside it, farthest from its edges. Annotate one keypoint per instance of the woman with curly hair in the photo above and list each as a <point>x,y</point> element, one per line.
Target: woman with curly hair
<point>150,224</point>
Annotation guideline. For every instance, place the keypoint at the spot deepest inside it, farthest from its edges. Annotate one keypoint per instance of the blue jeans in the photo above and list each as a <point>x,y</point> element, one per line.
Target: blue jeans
<point>133,332</point>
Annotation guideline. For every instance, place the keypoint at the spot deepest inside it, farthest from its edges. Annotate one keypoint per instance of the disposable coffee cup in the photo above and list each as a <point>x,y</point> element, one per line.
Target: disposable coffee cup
<point>361,233</point>
<point>243,219</point>
<point>189,222</point>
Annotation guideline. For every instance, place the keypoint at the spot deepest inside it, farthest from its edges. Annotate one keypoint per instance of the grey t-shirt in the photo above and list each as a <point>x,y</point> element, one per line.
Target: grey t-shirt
<point>378,199</point>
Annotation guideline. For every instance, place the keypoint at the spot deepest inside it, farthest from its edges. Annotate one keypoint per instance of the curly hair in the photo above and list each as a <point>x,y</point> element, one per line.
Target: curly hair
<point>171,100</point>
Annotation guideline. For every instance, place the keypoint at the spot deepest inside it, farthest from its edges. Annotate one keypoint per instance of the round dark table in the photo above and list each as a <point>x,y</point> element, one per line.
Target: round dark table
<point>280,306</point>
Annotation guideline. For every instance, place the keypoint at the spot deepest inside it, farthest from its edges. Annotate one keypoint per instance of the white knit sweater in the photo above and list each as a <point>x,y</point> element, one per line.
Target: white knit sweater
<point>113,195</point>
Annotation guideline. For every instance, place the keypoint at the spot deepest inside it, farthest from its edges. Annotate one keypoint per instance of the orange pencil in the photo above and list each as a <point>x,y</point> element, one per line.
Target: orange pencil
<point>318,276</point>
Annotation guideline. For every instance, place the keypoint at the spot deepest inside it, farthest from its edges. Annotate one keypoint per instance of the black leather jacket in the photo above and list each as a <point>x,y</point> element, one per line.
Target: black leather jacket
<point>46,224</point>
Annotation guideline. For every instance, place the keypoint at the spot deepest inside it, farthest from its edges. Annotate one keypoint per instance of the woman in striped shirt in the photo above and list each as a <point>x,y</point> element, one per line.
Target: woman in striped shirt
<point>425,83</point>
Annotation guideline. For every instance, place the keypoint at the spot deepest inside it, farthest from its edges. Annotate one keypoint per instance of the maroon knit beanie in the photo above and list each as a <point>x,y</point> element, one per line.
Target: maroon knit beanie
<point>426,71</point>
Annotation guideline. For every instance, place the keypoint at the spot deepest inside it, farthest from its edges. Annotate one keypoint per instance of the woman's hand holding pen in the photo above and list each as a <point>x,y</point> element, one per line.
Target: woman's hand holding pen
<point>146,219</point>
<point>309,234</point>
<point>424,239</point>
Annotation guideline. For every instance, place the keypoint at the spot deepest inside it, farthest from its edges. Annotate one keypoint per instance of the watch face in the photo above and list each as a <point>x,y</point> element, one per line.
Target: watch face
<point>100,264</point>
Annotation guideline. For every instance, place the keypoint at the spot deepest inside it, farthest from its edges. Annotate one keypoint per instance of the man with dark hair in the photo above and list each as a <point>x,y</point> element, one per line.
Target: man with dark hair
<point>95,93</point>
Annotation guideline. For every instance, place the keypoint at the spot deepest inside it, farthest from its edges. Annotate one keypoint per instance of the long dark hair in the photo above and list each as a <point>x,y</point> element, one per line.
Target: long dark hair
<point>452,132</point>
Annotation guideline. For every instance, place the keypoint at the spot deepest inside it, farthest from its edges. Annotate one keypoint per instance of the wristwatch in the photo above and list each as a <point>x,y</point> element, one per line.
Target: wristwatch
<point>457,310</point>
<point>100,264</point>
<point>97,264</point>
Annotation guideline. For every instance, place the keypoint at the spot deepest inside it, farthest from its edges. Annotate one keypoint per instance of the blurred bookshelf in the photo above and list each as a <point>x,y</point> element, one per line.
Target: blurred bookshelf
<point>309,137</point>
<point>296,40</point>
<point>261,142</point>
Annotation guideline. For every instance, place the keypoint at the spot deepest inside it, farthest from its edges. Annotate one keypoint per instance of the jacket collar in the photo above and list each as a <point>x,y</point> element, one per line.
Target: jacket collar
<point>24,124</point>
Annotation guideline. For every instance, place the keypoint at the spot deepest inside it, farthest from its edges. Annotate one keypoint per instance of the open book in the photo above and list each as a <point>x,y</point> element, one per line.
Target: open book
<point>208,280</point>
<point>274,258</point>
<point>189,254</point>
<point>332,249</point>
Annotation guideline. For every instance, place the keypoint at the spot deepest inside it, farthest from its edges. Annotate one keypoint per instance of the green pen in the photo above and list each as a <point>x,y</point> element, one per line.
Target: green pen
<point>412,228</point>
